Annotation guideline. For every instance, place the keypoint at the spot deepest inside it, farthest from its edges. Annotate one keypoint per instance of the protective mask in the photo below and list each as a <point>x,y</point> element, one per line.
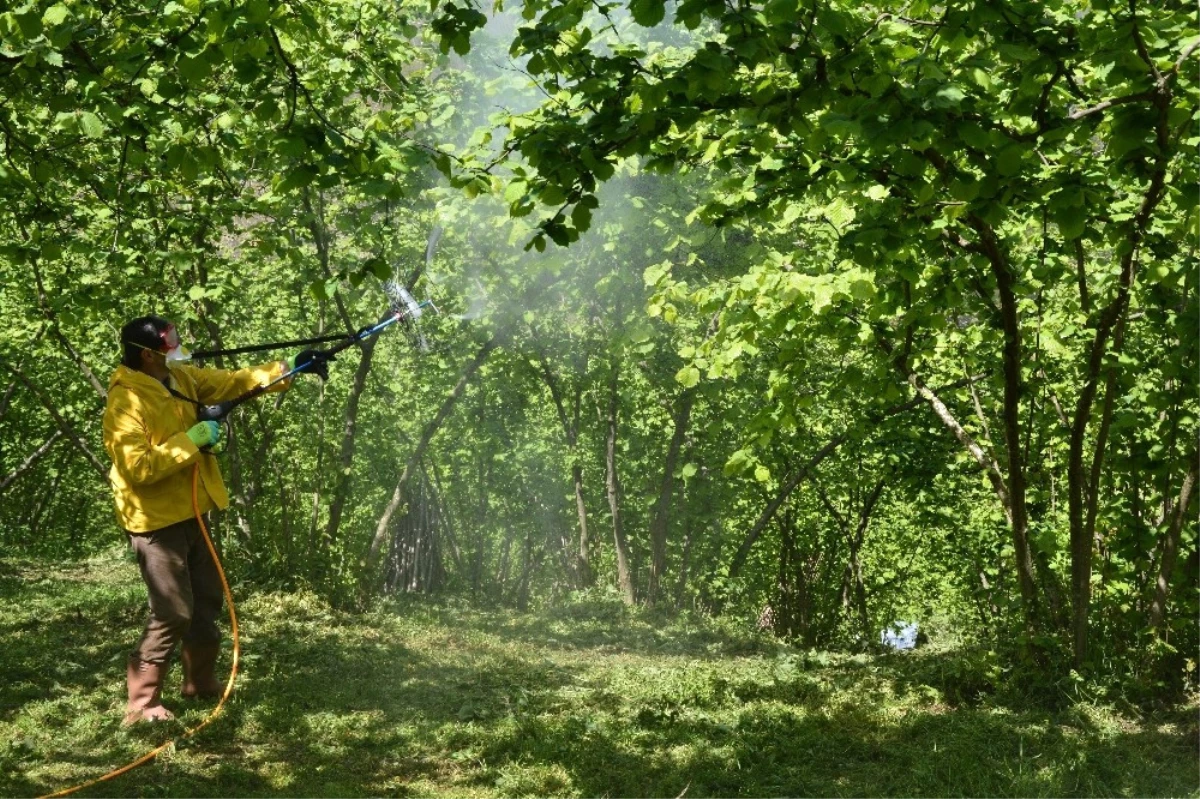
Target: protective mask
<point>178,355</point>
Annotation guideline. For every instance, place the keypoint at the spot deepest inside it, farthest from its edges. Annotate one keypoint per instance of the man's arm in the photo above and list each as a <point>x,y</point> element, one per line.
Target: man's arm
<point>219,385</point>
<point>128,442</point>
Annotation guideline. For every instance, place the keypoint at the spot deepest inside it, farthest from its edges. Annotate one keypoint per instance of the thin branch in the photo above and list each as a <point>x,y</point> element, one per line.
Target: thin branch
<point>1184,56</point>
<point>1107,104</point>
<point>1085,301</point>
<point>56,330</point>
<point>979,414</point>
<point>988,463</point>
<point>304,90</point>
<point>66,427</point>
<point>31,461</point>
<point>1160,82</point>
<point>431,428</point>
<point>1062,416</point>
<point>837,517</point>
<point>806,470</point>
<point>1141,45</point>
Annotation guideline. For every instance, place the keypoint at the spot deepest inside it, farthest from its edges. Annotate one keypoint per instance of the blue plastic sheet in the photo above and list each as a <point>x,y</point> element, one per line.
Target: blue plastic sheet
<point>899,635</point>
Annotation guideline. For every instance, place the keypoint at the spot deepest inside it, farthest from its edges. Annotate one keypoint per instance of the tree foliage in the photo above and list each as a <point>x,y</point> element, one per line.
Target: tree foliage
<point>855,313</point>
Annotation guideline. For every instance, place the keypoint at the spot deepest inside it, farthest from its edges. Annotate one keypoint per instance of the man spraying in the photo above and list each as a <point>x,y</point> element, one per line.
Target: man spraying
<point>153,437</point>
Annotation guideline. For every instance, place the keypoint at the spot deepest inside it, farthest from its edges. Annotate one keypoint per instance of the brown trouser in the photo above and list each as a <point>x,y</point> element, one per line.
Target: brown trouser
<point>183,586</point>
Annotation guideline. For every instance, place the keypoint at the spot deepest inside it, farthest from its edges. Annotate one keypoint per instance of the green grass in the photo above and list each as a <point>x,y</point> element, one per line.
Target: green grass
<point>419,699</point>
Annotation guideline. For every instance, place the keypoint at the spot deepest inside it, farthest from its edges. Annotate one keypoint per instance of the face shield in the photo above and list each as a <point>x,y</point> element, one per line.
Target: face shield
<point>170,347</point>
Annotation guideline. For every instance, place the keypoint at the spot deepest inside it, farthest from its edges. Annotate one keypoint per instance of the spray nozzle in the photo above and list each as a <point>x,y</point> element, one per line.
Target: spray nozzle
<point>403,303</point>
<point>405,308</point>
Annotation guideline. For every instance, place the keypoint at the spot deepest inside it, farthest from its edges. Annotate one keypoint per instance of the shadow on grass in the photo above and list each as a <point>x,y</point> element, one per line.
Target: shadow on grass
<point>317,712</point>
<point>607,627</point>
<point>481,704</point>
<point>801,751</point>
<point>57,638</point>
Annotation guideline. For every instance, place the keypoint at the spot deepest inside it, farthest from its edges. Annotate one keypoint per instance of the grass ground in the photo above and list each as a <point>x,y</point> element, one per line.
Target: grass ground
<point>444,701</point>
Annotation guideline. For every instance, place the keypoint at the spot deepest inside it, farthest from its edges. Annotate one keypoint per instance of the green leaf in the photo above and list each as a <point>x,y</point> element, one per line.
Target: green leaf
<point>581,216</point>
<point>55,15</point>
<point>194,70</point>
<point>515,191</point>
<point>1071,220</point>
<point>655,273</point>
<point>91,125</point>
<point>973,135</point>
<point>1008,160</point>
<point>378,267</point>
<point>738,462</point>
<point>948,97</point>
<point>29,25</point>
<point>647,13</point>
<point>257,11</point>
<point>297,178</point>
<point>688,376</point>
<point>1017,52</point>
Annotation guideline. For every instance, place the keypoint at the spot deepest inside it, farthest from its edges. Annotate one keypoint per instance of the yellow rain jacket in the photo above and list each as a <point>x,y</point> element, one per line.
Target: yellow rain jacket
<point>145,433</point>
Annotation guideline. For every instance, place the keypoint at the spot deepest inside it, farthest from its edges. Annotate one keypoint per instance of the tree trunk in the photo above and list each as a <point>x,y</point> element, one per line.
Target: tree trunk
<point>1014,386</point>
<point>788,581</point>
<point>483,468</point>
<point>1017,524</point>
<point>739,558</point>
<point>35,521</point>
<point>502,569</point>
<point>431,429</point>
<point>415,557</point>
<point>1008,483</point>
<point>860,534</point>
<point>582,570</point>
<point>764,518</point>
<point>322,240</point>
<point>660,522</point>
<point>314,520</point>
<point>613,486</point>
<point>1110,318</point>
<point>583,564</point>
<point>1169,546</point>
<point>444,513</point>
<point>345,461</point>
<point>526,573</point>
<point>685,561</point>
<point>853,587</point>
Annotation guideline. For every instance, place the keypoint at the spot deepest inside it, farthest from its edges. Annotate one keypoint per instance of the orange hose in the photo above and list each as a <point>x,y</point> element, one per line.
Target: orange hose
<point>188,733</point>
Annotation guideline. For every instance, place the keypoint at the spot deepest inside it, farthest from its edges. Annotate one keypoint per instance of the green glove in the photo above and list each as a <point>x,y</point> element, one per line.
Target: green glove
<point>205,434</point>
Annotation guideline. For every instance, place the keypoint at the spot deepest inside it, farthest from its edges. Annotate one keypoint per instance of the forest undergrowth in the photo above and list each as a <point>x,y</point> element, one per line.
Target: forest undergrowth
<point>586,699</point>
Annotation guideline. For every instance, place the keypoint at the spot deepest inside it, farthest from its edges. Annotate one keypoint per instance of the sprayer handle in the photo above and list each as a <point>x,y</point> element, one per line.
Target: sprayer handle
<point>213,413</point>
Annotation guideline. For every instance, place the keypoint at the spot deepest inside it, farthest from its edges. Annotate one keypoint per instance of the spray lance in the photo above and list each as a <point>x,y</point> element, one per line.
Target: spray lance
<point>403,308</point>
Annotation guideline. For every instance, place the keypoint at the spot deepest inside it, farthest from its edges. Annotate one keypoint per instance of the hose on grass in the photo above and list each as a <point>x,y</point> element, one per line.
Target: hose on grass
<point>233,623</point>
